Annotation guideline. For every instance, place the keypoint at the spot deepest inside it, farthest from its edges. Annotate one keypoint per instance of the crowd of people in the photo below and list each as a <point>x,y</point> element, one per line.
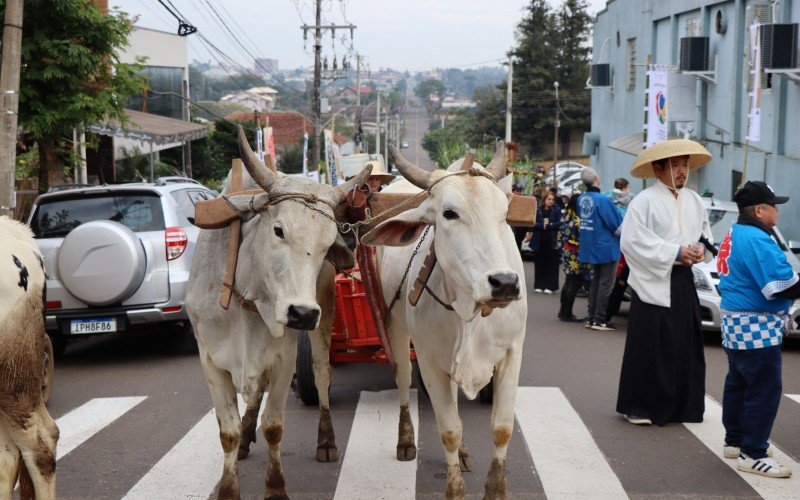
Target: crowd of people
<point>650,242</point>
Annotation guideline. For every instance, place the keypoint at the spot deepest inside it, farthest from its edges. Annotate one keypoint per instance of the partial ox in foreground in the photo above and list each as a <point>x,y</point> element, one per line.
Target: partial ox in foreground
<point>286,233</point>
<point>27,433</point>
<point>479,272</point>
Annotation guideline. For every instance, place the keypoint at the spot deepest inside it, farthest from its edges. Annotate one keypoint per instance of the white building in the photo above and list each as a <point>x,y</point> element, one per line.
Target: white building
<point>256,98</point>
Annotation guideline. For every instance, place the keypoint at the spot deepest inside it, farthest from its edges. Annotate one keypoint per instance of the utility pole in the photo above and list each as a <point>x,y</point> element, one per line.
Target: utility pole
<point>9,104</point>
<point>358,102</point>
<point>187,146</point>
<point>378,125</point>
<point>315,100</point>
<point>555,136</point>
<point>509,84</point>
<point>315,106</point>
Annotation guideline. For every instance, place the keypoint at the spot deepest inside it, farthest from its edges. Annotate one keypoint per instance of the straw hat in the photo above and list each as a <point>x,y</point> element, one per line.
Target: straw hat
<point>385,178</point>
<point>698,156</point>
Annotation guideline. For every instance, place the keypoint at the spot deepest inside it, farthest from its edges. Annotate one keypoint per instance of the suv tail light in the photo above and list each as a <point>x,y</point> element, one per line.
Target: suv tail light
<point>176,241</point>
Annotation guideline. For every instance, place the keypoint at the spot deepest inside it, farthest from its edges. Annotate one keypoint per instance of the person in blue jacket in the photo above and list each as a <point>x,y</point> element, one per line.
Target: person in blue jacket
<point>758,286</point>
<point>599,246</point>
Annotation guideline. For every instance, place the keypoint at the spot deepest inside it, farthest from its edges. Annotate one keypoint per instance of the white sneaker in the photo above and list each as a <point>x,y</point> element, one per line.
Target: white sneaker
<point>734,452</point>
<point>537,290</point>
<point>548,292</point>
<point>638,420</point>
<point>763,466</point>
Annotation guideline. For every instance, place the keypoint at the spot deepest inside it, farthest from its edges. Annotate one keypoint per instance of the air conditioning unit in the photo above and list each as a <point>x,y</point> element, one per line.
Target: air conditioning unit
<point>779,46</point>
<point>601,75</point>
<point>694,53</point>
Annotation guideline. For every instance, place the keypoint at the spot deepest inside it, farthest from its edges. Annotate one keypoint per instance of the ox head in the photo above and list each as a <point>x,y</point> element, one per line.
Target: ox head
<point>474,244</point>
<point>292,229</point>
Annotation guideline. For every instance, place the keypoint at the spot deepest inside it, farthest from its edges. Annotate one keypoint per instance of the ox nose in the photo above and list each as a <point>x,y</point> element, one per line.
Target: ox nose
<point>302,318</point>
<point>504,285</point>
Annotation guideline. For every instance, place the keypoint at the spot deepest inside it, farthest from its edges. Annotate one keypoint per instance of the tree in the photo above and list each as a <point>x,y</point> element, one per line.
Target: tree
<point>574,56</point>
<point>534,74</point>
<point>72,76</point>
<point>429,87</point>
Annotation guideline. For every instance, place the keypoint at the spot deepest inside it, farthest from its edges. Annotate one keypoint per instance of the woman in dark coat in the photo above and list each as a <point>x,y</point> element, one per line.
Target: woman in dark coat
<point>544,243</point>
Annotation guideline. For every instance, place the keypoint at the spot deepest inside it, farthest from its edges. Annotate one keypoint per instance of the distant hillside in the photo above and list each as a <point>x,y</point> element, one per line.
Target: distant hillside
<point>463,82</point>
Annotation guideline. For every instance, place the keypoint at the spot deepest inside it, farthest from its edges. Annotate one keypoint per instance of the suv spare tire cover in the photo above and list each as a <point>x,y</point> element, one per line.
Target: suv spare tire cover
<point>101,262</point>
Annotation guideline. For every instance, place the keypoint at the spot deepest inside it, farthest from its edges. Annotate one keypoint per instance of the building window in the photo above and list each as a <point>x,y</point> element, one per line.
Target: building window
<point>631,58</point>
<point>161,79</point>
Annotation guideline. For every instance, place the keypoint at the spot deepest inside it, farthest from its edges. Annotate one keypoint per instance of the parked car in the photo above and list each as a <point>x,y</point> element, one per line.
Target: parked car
<point>722,215</point>
<point>117,257</point>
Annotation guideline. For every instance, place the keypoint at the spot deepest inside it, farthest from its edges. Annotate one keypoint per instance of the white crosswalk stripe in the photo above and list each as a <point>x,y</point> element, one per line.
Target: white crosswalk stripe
<point>712,434</point>
<point>370,469</point>
<point>90,418</point>
<point>561,445</point>
<point>191,469</point>
<point>795,397</point>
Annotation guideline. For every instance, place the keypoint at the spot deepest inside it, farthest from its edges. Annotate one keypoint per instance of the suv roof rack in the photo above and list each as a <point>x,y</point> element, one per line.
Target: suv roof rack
<point>65,187</point>
<point>163,181</point>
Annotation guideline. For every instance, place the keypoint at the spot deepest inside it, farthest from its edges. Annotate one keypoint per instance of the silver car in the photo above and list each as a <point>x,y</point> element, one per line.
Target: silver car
<point>117,257</point>
<point>722,215</point>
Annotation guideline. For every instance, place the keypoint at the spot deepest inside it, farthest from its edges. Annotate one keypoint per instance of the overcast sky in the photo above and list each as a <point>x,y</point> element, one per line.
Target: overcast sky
<point>401,34</point>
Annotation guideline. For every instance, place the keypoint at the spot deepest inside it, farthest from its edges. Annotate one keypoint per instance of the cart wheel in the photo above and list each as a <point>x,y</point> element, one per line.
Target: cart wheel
<point>417,375</point>
<point>486,395</point>
<point>49,369</point>
<point>306,389</point>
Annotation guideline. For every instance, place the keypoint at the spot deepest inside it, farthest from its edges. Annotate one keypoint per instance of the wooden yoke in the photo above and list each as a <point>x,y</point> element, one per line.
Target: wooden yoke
<point>233,240</point>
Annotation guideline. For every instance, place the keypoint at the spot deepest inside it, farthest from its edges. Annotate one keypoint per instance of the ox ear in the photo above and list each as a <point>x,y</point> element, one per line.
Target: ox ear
<point>246,207</point>
<point>340,255</point>
<point>400,230</point>
<point>505,185</point>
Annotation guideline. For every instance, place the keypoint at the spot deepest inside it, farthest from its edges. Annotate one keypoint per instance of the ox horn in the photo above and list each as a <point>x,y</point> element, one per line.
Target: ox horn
<point>497,167</point>
<point>415,175</point>
<point>359,179</point>
<point>262,176</point>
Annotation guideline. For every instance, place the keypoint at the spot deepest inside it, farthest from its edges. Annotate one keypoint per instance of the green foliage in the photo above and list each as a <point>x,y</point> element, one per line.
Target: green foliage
<point>463,83</point>
<point>135,167</point>
<point>71,73</point>
<point>427,88</point>
<point>544,37</point>
<point>291,159</point>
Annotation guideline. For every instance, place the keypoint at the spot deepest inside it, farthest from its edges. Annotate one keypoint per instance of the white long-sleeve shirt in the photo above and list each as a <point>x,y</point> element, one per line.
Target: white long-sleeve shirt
<point>656,225</point>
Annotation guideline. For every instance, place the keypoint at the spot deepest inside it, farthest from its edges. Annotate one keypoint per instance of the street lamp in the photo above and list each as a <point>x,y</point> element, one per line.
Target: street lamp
<point>555,137</point>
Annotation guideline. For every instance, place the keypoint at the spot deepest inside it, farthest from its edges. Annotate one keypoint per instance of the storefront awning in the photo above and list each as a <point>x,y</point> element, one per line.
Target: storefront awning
<point>148,127</point>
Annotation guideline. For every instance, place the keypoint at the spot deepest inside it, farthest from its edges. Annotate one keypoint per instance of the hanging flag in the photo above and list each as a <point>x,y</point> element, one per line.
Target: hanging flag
<point>657,123</point>
<point>754,129</point>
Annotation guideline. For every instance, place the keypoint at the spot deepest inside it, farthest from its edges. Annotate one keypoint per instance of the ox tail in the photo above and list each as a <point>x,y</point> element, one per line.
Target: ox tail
<point>26,489</point>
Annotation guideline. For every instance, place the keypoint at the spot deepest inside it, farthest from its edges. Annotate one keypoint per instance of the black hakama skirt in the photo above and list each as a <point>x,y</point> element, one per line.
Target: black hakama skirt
<point>663,368</point>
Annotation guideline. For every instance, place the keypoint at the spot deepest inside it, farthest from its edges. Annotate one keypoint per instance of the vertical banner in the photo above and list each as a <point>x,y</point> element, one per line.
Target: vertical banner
<point>260,145</point>
<point>270,144</point>
<point>305,153</point>
<point>327,136</point>
<point>754,127</point>
<point>657,124</point>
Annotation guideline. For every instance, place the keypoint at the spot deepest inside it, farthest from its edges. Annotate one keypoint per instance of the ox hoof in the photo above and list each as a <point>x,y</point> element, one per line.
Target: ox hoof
<point>464,461</point>
<point>406,453</point>
<point>276,496</point>
<point>327,453</point>
<point>243,451</point>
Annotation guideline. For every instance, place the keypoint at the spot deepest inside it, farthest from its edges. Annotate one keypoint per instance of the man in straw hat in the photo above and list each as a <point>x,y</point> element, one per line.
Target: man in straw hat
<point>758,286</point>
<point>663,367</point>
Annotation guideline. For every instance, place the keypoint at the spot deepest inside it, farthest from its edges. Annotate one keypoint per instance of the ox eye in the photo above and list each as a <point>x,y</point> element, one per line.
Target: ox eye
<point>450,214</point>
<point>278,232</point>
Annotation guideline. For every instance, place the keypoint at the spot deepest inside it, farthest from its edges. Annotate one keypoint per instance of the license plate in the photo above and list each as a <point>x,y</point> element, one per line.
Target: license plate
<point>96,325</point>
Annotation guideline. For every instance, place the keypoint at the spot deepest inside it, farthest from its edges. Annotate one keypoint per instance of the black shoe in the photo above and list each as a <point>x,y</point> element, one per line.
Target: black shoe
<point>571,319</point>
<point>581,294</point>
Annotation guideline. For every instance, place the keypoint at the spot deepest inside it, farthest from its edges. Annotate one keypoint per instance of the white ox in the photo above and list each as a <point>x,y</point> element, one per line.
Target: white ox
<point>27,433</point>
<point>478,267</point>
<point>287,231</point>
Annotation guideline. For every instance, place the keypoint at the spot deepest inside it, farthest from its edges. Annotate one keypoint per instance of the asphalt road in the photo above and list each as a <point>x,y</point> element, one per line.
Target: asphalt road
<point>416,125</point>
<point>136,419</point>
